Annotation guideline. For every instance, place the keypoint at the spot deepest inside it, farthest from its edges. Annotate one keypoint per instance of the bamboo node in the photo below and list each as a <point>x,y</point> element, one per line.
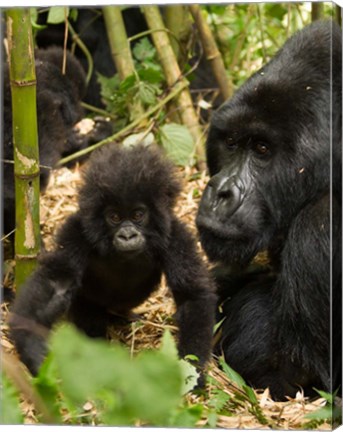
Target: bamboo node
<point>27,257</point>
<point>27,176</point>
<point>213,56</point>
<point>26,83</point>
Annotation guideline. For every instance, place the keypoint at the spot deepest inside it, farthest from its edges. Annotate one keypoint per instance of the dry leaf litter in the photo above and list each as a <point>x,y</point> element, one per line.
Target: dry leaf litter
<point>60,200</point>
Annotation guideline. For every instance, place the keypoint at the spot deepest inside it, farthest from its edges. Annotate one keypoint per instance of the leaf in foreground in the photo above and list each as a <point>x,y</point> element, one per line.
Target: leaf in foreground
<point>146,388</point>
<point>10,412</point>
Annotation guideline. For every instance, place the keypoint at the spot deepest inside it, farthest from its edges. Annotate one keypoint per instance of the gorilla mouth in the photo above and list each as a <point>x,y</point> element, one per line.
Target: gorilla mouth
<point>218,229</point>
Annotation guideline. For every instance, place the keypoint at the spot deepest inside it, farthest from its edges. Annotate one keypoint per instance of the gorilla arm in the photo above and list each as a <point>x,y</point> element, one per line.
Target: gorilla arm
<point>194,294</point>
<point>47,294</point>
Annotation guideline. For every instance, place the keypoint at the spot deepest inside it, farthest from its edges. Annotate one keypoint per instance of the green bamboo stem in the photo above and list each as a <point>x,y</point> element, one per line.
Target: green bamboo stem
<point>317,11</point>
<point>179,24</point>
<point>211,51</point>
<point>120,49</point>
<point>173,74</point>
<point>25,141</point>
<point>178,88</point>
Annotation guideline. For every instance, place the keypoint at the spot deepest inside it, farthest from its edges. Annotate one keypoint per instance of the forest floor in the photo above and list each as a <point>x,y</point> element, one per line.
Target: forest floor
<point>60,200</point>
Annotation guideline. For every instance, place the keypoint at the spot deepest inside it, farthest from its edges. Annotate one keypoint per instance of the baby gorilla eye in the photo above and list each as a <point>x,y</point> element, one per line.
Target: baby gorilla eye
<point>137,215</point>
<point>114,218</point>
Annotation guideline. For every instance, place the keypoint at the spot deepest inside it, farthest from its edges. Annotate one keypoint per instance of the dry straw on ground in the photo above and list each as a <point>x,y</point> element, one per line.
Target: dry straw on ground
<point>57,203</point>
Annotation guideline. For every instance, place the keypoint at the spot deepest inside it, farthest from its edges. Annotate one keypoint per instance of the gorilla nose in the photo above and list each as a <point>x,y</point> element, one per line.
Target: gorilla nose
<point>127,236</point>
<point>225,195</point>
<point>229,191</point>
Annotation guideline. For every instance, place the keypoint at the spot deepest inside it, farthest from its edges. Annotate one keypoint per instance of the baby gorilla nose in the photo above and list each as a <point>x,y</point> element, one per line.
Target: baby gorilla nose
<point>129,239</point>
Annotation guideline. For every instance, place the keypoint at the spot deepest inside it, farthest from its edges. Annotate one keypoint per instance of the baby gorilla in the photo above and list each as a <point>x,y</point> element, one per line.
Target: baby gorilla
<point>110,257</point>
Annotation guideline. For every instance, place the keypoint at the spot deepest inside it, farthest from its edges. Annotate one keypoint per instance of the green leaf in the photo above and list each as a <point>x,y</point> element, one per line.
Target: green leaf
<point>327,396</point>
<point>147,387</point>
<point>178,143</point>
<point>212,419</point>
<point>190,376</point>
<point>218,399</point>
<point>147,93</point>
<point>231,374</point>
<point>57,14</point>
<point>251,394</point>
<point>144,50</point>
<point>46,383</point>
<point>10,412</point>
<point>168,345</point>
<point>323,413</point>
<point>128,83</point>
<point>73,14</point>
<point>151,74</point>
<point>186,417</point>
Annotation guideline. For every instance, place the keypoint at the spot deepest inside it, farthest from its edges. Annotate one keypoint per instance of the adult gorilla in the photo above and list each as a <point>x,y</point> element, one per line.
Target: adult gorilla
<point>269,155</point>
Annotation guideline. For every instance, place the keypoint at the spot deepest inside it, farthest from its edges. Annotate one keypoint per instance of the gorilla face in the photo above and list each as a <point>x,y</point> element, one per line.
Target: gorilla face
<point>233,219</point>
<point>266,159</point>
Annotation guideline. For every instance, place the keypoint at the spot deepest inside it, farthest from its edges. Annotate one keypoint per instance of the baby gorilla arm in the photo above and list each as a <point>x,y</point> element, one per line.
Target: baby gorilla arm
<point>46,296</point>
<point>194,294</point>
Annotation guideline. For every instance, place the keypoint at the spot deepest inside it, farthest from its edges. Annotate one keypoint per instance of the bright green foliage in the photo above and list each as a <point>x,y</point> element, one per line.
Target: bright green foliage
<point>330,413</point>
<point>46,384</point>
<point>178,143</point>
<point>144,85</point>
<point>246,393</point>
<point>57,14</point>
<point>10,412</point>
<point>147,388</point>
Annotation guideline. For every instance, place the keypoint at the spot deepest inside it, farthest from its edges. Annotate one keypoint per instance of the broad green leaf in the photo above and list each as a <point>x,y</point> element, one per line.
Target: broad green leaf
<point>77,356</point>
<point>57,14</point>
<point>178,143</point>
<point>147,387</point>
<point>10,412</point>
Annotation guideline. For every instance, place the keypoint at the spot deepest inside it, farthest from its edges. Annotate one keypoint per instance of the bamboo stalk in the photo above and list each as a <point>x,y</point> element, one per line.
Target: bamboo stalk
<point>211,51</point>
<point>317,11</point>
<point>120,49</point>
<point>25,141</point>
<point>178,21</point>
<point>173,74</point>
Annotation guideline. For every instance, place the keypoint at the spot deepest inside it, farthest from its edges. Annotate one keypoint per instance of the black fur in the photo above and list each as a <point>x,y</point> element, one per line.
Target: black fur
<point>58,110</point>
<point>91,275</point>
<point>268,153</point>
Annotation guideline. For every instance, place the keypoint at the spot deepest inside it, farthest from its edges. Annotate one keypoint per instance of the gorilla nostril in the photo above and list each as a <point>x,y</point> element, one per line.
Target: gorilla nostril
<point>127,236</point>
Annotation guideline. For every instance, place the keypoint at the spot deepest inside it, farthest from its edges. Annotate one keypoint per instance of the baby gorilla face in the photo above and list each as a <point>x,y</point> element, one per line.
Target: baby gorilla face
<point>127,226</point>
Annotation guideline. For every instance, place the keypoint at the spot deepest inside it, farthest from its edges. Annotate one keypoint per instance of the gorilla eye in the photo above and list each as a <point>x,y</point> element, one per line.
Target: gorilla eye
<point>231,143</point>
<point>137,215</point>
<point>260,148</point>
<point>115,218</point>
